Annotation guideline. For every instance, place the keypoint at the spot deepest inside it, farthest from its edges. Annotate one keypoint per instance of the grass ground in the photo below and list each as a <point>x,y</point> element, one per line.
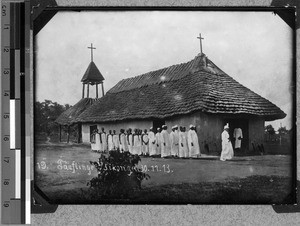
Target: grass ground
<point>250,190</point>
<point>251,179</point>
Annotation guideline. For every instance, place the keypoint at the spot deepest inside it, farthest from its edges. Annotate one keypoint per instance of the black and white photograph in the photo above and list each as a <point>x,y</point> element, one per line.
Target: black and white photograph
<point>165,107</point>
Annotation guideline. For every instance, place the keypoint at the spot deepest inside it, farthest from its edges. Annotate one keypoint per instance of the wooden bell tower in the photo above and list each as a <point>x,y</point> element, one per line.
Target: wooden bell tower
<point>92,76</point>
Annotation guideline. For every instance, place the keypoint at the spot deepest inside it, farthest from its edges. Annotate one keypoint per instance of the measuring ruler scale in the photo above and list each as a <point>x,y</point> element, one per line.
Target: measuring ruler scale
<point>15,146</point>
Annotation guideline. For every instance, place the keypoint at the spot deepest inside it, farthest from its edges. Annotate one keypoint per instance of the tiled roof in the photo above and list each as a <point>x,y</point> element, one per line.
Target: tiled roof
<point>92,74</point>
<point>198,85</point>
<point>67,116</point>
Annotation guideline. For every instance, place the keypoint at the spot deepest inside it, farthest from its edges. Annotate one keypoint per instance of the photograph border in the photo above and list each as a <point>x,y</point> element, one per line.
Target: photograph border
<point>210,5</point>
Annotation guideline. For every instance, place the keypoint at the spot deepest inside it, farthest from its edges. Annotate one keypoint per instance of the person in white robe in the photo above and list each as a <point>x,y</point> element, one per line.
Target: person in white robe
<point>145,143</point>
<point>187,154</point>
<point>103,140</point>
<point>110,142</point>
<point>183,145</point>
<point>238,136</point>
<point>139,142</point>
<point>135,142</point>
<point>227,150</point>
<point>193,144</point>
<point>98,141</point>
<point>130,140</point>
<point>122,141</point>
<point>93,140</point>
<point>152,142</point>
<point>174,138</point>
<point>165,143</point>
<point>116,140</point>
<point>158,140</point>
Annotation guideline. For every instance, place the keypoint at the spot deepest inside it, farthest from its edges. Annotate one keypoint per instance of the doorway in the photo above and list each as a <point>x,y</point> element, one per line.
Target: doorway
<point>244,125</point>
<point>158,123</point>
<point>92,128</point>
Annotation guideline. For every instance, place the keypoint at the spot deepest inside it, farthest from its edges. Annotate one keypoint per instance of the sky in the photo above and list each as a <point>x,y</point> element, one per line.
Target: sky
<point>255,48</point>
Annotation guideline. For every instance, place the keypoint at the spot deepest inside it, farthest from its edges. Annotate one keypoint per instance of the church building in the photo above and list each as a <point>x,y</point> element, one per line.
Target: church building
<point>195,92</point>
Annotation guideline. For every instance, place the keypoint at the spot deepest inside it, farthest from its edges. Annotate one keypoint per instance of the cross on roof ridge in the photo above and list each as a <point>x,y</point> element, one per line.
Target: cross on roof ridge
<point>200,38</point>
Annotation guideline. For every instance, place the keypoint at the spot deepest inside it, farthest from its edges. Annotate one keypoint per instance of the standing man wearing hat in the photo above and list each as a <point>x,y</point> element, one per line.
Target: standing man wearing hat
<point>93,140</point>
<point>174,138</point>
<point>98,141</point>
<point>135,142</point>
<point>193,143</point>
<point>116,140</point>
<point>166,143</point>
<point>152,142</point>
<point>158,141</point>
<point>227,150</point>
<point>129,140</point>
<point>145,143</point>
<point>122,141</point>
<point>110,142</point>
<point>183,145</point>
<point>103,140</point>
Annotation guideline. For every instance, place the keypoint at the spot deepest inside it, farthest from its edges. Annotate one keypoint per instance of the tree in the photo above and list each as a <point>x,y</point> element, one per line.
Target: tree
<point>270,130</point>
<point>45,114</point>
<point>282,130</point>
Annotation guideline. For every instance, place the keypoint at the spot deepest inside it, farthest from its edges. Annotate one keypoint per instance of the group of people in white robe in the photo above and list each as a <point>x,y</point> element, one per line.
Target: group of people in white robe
<point>178,143</point>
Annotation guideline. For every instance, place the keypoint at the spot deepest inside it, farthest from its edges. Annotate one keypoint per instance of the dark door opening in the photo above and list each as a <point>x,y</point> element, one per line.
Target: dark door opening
<point>92,128</point>
<point>158,123</point>
<point>244,125</point>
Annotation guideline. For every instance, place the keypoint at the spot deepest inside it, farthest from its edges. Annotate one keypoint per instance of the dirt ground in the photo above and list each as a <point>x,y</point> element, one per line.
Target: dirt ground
<point>63,170</point>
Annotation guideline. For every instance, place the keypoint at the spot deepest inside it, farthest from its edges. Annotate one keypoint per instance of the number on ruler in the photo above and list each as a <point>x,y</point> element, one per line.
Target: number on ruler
<point>6,138</point>
<point>6,203</point>
<point>6,50</point>
<point>6,159</point>
<point>6,26</point>
<point>4,10</point>
<point>6,72</point>
<point>6,116</point>
<point>6,93</point>
<point>6,182</point>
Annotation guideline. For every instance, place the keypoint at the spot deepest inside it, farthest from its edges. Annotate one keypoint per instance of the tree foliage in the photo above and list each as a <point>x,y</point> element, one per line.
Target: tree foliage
<point>282,130</point>
<point>270,130</point>
<point>45,114</point>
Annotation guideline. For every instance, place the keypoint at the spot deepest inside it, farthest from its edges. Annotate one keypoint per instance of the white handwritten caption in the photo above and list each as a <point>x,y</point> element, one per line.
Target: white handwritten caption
<point>73,167</point>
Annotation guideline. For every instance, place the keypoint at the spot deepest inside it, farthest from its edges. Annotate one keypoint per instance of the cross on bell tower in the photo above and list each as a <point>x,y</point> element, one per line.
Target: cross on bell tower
<point>91,51</point>
<point>92,76</point>
<point>200,38</point>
